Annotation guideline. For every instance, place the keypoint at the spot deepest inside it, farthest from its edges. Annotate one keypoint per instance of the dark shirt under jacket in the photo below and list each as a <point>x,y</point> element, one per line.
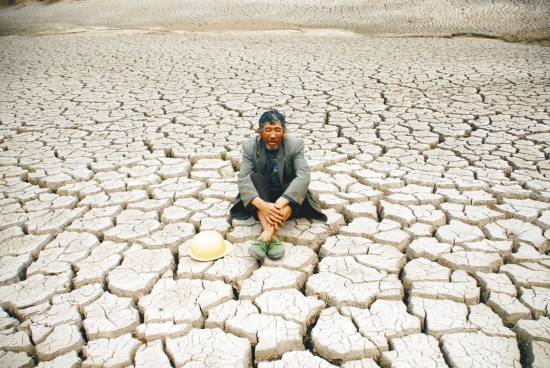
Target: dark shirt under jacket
<point>270,170</point>
<point>272,175</point>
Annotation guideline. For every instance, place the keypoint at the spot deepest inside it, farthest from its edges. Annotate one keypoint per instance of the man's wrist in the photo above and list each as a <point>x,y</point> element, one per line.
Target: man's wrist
<point>256,201</point>
<point>290,200</point>
<point>282,202</point>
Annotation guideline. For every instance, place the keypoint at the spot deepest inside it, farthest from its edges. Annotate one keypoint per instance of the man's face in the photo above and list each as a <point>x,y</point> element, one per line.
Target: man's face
<point>272,135</point>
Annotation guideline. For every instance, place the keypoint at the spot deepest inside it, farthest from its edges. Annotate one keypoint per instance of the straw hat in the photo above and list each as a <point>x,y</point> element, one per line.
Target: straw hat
<point>209,245</point>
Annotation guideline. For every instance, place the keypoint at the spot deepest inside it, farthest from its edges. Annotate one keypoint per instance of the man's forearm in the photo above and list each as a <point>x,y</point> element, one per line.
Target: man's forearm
<point>256,202</point>
<point>282,202</point>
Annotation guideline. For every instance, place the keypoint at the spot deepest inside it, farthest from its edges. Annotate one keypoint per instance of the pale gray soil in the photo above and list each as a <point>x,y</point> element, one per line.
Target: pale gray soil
<point>509,19</point>
<point>428,155</point>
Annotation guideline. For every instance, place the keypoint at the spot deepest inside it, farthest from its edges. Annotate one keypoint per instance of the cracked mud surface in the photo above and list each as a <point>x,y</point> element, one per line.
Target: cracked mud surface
<point>430,158</point>
<point>513,20</point>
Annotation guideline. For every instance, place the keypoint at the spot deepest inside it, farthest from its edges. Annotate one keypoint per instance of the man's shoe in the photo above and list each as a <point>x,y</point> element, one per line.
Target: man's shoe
<point>258,249</point>
<point>276,249</point>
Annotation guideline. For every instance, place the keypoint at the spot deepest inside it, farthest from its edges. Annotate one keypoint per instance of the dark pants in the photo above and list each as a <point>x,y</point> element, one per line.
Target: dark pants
<point>269,195</point>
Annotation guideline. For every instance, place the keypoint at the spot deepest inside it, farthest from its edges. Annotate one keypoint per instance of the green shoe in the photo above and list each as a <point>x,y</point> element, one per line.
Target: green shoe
<point>276,249</point>
<point>258,249</point>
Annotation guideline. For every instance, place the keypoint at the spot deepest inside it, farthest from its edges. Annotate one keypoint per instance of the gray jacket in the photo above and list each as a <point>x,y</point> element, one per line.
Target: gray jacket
<point>292,170</point>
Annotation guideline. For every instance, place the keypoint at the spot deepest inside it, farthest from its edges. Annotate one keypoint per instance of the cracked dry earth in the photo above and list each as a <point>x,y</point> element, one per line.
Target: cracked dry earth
<point>429,156</point>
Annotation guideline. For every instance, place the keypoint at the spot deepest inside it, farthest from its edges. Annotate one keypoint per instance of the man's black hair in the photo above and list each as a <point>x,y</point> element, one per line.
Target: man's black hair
<point>272,117</point>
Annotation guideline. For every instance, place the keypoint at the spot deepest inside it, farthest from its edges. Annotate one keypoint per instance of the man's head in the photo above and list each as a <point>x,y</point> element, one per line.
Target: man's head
<point>272,127</point>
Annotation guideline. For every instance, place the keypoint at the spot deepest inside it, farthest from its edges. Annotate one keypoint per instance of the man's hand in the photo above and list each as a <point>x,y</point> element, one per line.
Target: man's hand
<point>281,202</point>
<point>272,213</point>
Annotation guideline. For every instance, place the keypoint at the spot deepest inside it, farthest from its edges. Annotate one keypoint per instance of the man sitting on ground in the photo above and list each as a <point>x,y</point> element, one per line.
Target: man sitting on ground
<point>273,184</point>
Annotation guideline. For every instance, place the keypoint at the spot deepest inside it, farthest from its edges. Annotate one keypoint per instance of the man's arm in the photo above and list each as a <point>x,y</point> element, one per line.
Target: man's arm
<point>282,202</point>
<point>297,190</point>
<point>247,190</point>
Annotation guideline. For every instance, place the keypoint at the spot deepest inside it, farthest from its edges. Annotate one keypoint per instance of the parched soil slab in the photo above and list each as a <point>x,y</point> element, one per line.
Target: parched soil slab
<point>478,349</point>
<point>336,338</point>
<point>183,301</point>
<point>303,358</point>
<point>211,347</point>
<point>119,351</point>
<point>110,316</point>
<point>411,349</point>
<point>271,334</point>
<point>383,321</point>
<point>337,290</point>
<point>270,278</point>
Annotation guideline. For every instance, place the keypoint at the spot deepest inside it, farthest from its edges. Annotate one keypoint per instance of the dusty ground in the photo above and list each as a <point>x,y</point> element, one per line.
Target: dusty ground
<point>508,19</point>
<point>430,157</point>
